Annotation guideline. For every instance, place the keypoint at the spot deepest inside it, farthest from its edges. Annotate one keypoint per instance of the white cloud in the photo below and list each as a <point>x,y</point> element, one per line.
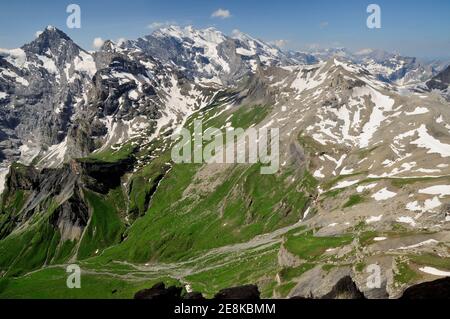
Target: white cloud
<point>160,24</point>
<point>97,43</point>
<point>280,43</point>
<point>221,13</point>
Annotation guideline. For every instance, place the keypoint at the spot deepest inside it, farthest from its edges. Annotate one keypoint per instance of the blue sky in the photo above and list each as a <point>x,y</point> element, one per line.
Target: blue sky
<point>410,27</point>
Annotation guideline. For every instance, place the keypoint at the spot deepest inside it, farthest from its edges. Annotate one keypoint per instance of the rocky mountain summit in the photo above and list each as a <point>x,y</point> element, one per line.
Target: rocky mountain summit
<point>441,83</point>
<point>363,179</point>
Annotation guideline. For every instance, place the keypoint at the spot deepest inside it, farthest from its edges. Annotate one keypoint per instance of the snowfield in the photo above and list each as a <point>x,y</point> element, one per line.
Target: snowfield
<point>433,145</point>
<point>383,194</point>
<point>435,272</point>
<point>441,190</point>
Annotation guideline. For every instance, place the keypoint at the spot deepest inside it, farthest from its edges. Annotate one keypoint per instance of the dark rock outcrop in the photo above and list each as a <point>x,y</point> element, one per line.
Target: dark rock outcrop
<point>345,288</point>
<point>159,292</point>
<point>243,292</point>
<point>440,81</point>
<point>71,217</point>
<point>22,177</point>
<point>101,176</point>
<point>193,296</point>
<point>438,289</point>
<point>173,293</point>
<point>66,185</point>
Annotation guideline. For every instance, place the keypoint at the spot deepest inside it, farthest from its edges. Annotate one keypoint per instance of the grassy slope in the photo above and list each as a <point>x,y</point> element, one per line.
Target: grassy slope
<point>32,247</point>
<point>111,155</point>
<point>179,227</point>
<point>244,205</point>
<point>105,227</point>
<point>51,283</point>
<point>41,243</point>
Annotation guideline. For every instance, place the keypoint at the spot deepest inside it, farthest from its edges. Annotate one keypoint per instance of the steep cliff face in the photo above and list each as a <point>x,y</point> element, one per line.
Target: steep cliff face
<point>60,204</point>
<point>20,183</point>
<point>440,83</point>
<point>44,82</point>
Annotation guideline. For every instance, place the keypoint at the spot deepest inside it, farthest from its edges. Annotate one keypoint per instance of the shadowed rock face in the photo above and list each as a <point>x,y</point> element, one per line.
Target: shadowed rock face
<point>66,185</point>
<point>101,176</point>
<point>438,289</point>
<point>194,296</point>
<point>159,292</point>
<point>243,292</point>
<point>345,289</point>
<point>22,177</point>
<point>440,81</point>
<point>71,217</point>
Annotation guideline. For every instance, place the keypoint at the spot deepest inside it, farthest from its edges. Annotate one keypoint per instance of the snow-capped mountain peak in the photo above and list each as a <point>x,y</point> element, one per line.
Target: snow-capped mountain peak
<point>50,38</point>
<point>199,36</point>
